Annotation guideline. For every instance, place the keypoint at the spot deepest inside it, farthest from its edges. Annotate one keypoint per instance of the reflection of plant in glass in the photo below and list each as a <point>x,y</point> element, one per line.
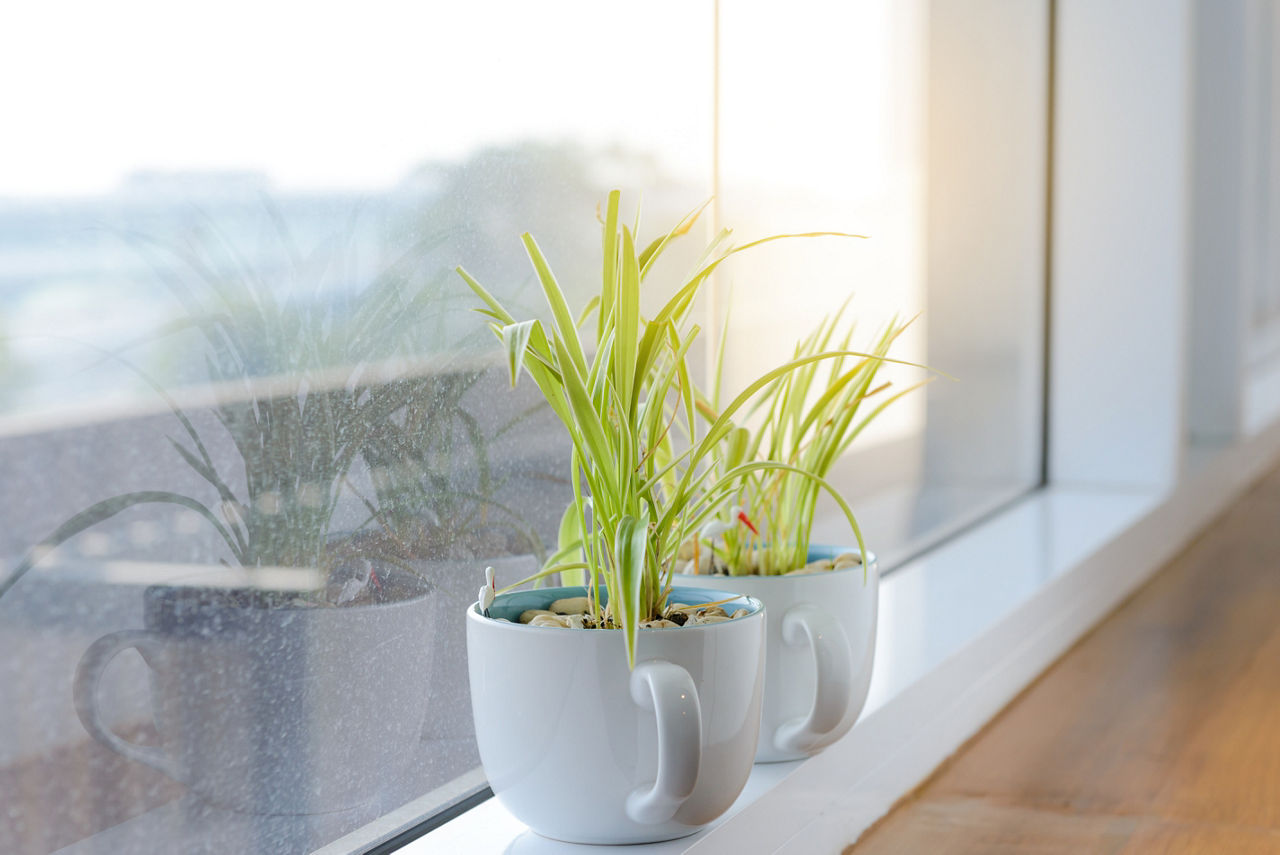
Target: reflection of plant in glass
<point>420,506</point>
<point>298,393</point>
<point>636,498</point>
<point>806,423</point>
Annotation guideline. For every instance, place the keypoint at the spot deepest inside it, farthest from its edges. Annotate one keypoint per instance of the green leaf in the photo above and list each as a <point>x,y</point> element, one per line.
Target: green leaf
<point>736,445</point>
<point>587,309</point>
<point>515,342</point>
<point>590,428</point>
<point>629,561</point>
<point>609,273</point>
<point>495,308</point>
<point>570,534</point>
<point>549,570</point>
<point>654,249</point>
<point>720,351</point>
<point>627,327</point>
<point>566,329</point>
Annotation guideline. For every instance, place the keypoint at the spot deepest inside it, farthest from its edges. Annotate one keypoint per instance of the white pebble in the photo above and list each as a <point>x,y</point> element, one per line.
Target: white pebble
<point>805,571</point>
<point>529,614</point>
<point>571,606</point>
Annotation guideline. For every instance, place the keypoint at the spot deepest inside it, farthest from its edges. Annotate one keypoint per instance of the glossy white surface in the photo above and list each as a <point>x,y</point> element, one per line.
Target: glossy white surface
<point>933,607</point>
<point>582,749</point>
<point>819,651</point>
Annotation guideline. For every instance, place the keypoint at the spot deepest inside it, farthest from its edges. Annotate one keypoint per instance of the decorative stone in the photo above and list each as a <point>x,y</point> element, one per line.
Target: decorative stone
<point>550,620</point>
<point>528,615</point>
<point>806,571</point>
<point>571,606</point>
<point>678,614</point>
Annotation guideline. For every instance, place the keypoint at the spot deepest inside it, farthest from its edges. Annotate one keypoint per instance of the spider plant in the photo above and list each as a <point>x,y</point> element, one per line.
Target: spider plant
<point>807,422</point>
<point>637,497</point>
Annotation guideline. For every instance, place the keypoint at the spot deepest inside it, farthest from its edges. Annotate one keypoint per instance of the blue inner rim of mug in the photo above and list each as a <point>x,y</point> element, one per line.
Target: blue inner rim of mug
<point>819,551</point>
<point>510,606</point>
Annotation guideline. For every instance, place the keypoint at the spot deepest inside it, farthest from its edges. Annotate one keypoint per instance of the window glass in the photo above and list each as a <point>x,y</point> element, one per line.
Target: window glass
<point>920,125</point>
<point>233,340</point>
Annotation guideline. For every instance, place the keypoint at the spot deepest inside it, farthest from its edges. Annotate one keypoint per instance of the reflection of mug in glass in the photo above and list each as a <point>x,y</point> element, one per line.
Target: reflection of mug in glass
<point>273,710</point>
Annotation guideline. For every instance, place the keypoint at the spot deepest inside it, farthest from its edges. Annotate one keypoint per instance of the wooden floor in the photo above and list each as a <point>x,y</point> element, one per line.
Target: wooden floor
<point>1159,732</point>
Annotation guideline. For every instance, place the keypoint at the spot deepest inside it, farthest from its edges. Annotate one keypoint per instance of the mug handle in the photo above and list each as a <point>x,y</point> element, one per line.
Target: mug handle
<point>668,690</point>
<point>825,722</point>
<point>85,691</point>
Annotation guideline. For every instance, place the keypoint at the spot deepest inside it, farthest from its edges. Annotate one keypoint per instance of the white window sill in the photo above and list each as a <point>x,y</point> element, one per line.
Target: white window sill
<point>962,630</point>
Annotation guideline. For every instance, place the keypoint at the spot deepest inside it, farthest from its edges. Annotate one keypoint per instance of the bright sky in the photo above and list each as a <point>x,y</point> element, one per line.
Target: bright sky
<point>338,95</point>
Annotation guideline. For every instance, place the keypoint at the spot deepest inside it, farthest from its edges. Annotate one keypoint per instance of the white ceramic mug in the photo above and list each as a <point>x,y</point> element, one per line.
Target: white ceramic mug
<point>819,652</point>
<point>582,749</point>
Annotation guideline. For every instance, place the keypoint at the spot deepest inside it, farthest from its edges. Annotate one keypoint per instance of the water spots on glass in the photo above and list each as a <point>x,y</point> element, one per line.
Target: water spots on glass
<point>186,522</point>
<point>255,566</point>
<point>275,448</point>
<point>143,532</point>
<point>94,544</point>
<point>269,503</point>
<point>311,495</point>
